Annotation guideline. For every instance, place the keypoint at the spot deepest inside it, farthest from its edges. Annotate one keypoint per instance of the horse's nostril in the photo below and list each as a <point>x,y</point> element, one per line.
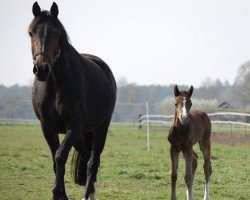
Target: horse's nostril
<point>35,69</point>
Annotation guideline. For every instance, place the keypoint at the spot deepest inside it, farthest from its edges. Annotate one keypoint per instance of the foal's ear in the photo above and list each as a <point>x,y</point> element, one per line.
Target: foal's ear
<point>54,10</point>
<point>190,91</point>
<point>176,91</point>
<point>36,9</point>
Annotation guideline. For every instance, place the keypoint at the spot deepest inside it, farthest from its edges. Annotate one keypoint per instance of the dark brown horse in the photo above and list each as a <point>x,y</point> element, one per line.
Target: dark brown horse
<point>72,94</point>
<point>188,129</point>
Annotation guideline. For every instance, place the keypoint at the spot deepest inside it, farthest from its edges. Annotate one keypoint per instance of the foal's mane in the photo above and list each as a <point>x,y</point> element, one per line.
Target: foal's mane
<point>46,15</point>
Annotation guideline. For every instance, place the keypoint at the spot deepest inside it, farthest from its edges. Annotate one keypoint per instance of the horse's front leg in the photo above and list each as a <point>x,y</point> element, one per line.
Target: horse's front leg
<point>189,176</point>
<point>53,141</point>
<point>174,154</point>
<point>72,134</point>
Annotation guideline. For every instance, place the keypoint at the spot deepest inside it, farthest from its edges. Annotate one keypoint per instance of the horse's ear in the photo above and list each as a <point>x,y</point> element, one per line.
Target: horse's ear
<point>176,91</point>
<point>36,9</point>
<point>54,10</point>
<point>190,91</point>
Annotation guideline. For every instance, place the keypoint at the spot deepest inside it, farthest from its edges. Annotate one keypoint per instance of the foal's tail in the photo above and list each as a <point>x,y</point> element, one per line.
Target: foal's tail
<point>79,169</point>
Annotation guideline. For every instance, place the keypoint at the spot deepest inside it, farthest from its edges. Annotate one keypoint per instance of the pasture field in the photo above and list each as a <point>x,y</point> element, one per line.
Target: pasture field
<point>127,172</point>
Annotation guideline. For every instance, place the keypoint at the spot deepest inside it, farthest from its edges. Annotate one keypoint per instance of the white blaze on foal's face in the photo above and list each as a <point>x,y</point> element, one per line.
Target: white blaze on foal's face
<point>184,108</point>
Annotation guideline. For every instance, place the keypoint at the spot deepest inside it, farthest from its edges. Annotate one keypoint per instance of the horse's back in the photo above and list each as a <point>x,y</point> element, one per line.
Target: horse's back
<point>101,89</point>
<point>105,68</point>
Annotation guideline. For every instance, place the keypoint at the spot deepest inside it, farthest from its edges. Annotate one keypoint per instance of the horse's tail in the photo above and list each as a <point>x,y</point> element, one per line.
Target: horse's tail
<point>79,169</point>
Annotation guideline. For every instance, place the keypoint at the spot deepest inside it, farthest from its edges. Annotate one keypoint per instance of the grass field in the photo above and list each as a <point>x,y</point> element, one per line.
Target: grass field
<point>127,171</point>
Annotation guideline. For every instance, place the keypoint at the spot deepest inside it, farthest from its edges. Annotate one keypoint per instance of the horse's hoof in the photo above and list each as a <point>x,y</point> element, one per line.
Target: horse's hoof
<point>61,197</point>
<point>91,197</point>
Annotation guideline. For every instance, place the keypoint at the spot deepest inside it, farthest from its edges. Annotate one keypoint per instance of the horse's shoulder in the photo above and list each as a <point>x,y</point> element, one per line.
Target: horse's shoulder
<point>173,132</point>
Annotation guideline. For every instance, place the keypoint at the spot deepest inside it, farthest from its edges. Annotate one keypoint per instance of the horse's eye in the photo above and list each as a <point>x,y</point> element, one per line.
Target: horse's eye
<point>30,33</point>
<point>176,104</point>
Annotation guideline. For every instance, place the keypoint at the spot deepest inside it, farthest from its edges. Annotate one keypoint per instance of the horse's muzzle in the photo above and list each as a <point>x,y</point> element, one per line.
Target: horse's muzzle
<point>42,71</point>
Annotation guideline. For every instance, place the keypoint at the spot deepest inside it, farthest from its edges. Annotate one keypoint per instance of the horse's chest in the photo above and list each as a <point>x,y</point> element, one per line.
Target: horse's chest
<point>60,105</point>
<point>52,107</point>
<point>179,137</point>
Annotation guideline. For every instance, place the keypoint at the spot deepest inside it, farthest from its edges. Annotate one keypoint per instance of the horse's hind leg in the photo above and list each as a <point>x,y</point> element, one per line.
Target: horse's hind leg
<point>205,147</point>
<point>81,158</point>
<point>99,138</point>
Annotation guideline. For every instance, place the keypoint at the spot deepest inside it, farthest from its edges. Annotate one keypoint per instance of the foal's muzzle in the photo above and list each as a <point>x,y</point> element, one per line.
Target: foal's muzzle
<point>184,119</point>
<point>42,71</point>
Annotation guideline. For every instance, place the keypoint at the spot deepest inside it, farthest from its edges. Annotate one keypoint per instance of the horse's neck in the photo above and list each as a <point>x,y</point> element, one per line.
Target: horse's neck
<point>61,70</point>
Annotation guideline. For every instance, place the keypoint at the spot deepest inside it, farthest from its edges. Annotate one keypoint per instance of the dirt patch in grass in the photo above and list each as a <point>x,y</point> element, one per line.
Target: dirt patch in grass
<point>231,139</point>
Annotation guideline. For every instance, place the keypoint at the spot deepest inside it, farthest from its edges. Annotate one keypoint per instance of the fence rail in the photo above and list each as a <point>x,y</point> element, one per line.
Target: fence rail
<point>221,120</point>
<point>19,121</point>
<point>238,121</point>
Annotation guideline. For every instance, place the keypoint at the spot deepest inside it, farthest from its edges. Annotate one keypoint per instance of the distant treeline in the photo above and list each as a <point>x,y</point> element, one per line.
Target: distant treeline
<point>15,101</point>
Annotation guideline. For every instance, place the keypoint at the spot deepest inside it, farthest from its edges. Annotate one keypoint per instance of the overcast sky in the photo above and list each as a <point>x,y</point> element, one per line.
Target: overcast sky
<point>145,41</point>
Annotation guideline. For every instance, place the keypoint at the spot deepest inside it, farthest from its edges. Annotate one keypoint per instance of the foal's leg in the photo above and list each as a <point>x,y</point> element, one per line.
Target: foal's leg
<point>99,138</point>
<point>188,155</point>
<point>72,134</point>
<point>205,147</point>
<point>174,166</point>
<point>195,160</point>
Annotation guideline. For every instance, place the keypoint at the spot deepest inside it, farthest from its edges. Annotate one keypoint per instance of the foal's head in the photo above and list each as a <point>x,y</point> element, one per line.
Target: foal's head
<point>44,32</point>
<point>183,104</point>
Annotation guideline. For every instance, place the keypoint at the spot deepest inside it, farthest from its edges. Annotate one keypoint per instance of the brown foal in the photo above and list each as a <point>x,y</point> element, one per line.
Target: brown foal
<point>188,129</point>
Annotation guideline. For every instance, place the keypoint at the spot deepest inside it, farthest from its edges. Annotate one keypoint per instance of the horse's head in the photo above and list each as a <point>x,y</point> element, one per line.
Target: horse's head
<point>45,34</point>
<point>183,104</point>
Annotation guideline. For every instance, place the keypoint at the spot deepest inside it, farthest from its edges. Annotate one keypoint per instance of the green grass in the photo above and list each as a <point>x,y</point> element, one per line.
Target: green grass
<point>127,171</point>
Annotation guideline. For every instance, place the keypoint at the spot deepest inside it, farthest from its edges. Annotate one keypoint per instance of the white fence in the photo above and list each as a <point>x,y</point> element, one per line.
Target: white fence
<point>232,120</point>
<point>19,121</point>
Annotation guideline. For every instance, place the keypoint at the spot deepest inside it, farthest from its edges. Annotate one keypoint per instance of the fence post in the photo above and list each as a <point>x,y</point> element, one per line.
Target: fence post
<point>220,125</point>
<point>231,119</point>
<point>245,127</point>
<point>147,126</point>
